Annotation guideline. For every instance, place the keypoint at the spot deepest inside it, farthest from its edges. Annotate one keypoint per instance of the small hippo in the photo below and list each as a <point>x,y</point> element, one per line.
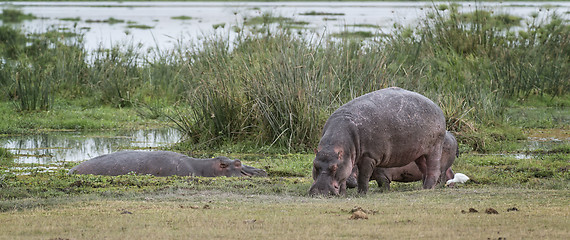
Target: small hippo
<point>387,128</point>
<point>163,163</point>
<point>411,172</point>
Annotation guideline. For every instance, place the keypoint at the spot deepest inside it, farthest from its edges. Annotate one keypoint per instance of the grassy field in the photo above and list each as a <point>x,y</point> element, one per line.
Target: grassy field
<point>434,214</point>
<point>529,195</point>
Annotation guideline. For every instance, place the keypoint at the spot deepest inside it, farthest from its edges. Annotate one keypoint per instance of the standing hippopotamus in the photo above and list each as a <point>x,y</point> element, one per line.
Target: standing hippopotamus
<point>411,172</point>
<point>391,127</point>
<point>163,163</point>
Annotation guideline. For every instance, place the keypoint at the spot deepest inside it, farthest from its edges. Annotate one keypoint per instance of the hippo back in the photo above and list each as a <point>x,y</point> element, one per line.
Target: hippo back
<point>157,163</point>
<point>394,126</point>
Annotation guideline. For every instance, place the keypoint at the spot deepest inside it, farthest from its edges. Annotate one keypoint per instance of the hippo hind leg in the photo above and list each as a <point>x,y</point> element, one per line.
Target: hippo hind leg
<point>383,184</point>
<point>429,166</point>
<point>381,179</point>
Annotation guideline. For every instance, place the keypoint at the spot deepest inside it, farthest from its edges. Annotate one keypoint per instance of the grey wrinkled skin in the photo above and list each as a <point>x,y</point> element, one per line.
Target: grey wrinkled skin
<point>163,163</point>
<point>411,172</point>
<point>391,127</point>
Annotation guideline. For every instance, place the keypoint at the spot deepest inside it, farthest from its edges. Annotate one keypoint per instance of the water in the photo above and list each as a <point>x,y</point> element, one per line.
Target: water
<point>59,147</point>
<point>167,32</point>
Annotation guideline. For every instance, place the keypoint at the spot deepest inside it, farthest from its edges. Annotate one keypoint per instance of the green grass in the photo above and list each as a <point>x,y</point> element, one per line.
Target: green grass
<point>183,17</point>
<point>110,20</point>
<point>219,25</point>
<point>315,13</point>
<point>6,157</point>
<point>139,26</point>
<point>75,19</point>
<point>15,16</point>
<point>265,19</point>
<point>363,25</point>
<point>354,34</point>
<point>289,175</point>
<point>66,117</point>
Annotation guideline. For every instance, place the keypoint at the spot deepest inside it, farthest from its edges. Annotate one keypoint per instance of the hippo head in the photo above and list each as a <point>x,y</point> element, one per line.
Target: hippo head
<point>330,172</point>
<point>224,166</point>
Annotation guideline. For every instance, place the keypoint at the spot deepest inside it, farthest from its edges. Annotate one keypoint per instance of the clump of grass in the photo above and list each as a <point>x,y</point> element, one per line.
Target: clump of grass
<point>6,159</point>
<point>529,171</point>
<point>219,25</point>
<point>354,34</point>
<point>139,26</point>
<point>315,13</point>
<point>33,65</point>
<point>500,21</point>
<point>183,17</point>
<point>299,23</point>
<point>110,20</point>
<point>265,19</point>
<point>15,16</point>
<point>456,51</point>
<point>75,19</point>
<point>363,25</point>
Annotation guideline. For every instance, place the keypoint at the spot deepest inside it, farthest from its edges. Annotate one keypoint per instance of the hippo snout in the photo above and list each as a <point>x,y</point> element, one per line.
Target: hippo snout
<point>324,188</point>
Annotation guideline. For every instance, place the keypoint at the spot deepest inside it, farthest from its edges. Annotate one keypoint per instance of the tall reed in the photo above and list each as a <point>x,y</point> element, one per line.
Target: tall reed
<point>276,88</point>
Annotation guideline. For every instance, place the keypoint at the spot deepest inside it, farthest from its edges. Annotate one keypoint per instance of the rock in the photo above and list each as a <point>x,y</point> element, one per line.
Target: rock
<point>491,211</point>
<point>358,215</point>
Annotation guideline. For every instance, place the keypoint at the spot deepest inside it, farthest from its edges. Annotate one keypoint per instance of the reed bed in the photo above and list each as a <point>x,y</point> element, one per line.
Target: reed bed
<point>275,88</point>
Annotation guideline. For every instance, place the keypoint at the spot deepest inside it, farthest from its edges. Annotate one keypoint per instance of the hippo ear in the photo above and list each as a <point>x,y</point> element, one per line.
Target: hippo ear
<point>237,163</point>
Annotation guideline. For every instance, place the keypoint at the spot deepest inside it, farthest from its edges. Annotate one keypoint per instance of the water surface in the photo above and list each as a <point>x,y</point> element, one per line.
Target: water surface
<point>165,32</point>
<point>59,147</point>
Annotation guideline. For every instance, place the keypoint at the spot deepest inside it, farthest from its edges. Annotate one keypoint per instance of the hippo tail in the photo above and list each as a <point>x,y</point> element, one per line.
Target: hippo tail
<point>457,150</point>
<point>71,171</point>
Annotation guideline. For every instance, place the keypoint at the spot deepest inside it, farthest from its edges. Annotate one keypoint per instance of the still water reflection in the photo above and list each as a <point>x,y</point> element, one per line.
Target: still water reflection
<point>57,147</point>
<point>164,29</point>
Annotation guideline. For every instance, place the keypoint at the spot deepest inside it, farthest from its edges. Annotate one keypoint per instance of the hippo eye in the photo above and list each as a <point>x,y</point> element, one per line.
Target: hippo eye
<point>237,163</point>
<point>333,168</point>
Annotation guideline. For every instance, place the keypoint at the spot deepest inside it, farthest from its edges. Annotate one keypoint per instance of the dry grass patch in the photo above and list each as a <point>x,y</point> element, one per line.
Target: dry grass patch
<point>215,215</point>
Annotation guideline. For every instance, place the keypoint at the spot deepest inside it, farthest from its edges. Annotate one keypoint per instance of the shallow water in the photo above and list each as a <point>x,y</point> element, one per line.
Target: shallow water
<point>166,32</point>
<point>59,147</point>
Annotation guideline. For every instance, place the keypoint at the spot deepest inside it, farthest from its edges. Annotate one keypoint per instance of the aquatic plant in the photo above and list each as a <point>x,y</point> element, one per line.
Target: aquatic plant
<point>315,13</point>
<point>110,20</point>
<point>353,34</point>
<point>15,15</point>
<point>139,26</point>
<point>183,17</point>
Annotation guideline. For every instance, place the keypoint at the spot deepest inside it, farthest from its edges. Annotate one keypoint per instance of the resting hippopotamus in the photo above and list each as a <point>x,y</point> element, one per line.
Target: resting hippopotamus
<point>163,163</point>
<point>391,127</point>
<point>411,172</point>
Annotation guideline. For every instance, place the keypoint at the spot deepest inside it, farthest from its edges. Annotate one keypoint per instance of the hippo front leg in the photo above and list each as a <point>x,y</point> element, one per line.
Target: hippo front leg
<point>365,170</point>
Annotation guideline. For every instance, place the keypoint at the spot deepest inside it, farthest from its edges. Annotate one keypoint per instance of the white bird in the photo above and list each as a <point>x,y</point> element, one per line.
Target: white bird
<point>458,178</point>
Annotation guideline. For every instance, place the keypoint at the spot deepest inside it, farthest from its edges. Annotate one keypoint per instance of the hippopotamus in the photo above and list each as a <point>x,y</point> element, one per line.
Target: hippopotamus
<point>163,163</point>
<point>411,172</point>
<point>387,128</point>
